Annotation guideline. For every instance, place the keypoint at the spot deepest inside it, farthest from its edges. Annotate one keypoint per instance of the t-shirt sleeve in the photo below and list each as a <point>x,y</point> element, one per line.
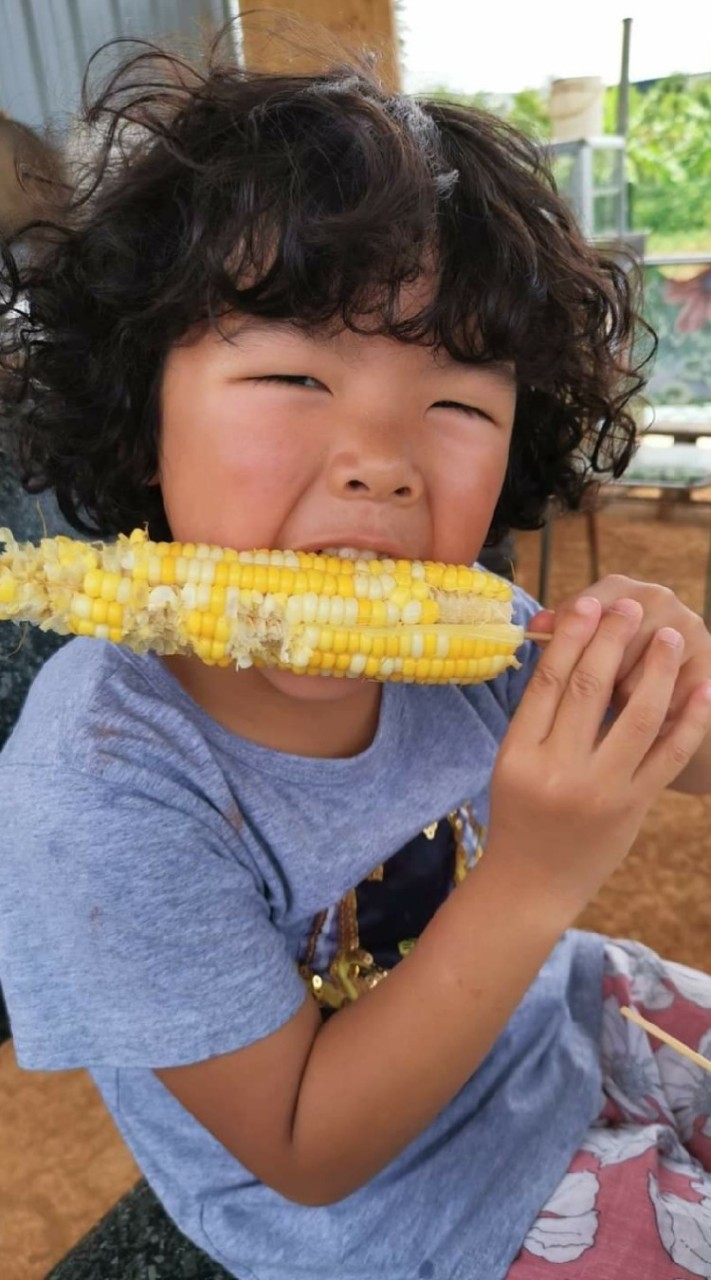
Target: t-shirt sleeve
<point>132,933</point>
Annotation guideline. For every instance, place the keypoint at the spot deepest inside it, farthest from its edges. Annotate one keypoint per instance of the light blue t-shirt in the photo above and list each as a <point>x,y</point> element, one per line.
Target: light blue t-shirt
<point>161,883</point>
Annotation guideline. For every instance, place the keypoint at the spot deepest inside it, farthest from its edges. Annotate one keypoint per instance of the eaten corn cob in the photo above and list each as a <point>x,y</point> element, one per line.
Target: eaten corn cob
<point>306,612</point>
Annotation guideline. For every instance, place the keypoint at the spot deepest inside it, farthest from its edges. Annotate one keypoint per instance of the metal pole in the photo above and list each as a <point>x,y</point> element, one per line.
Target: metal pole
<point>587,188</point>
<point>544,566</point>
<point>623,95</point>
<point>623,105</point>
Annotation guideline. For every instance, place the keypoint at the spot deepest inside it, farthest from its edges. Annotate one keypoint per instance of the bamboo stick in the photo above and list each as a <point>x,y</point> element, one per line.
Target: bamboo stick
<point>653,1030</point>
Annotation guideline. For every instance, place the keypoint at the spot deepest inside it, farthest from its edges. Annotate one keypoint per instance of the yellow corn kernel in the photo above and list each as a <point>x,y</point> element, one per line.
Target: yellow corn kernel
<point>139,572</point>
<point>222,630</point>
<point>378,613</point>
<point>110,586</point>
<point>431,611</point>
<point>8,590</point>
<point>92,583</point>
<point>275,574</point>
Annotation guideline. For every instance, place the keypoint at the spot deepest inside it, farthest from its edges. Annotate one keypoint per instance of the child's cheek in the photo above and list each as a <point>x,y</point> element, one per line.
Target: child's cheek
<point>467,497</point>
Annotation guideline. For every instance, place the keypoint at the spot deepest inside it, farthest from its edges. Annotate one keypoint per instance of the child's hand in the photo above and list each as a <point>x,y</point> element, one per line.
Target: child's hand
<point>662,608</point>
<point>566,800</point>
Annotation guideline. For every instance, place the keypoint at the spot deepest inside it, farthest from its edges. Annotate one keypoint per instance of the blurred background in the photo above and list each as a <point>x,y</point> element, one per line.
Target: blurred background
<point>618,96</point>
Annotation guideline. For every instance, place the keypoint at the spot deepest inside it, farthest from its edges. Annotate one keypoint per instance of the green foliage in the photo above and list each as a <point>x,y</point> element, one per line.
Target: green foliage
<point>527,109</point>
<point>668,152</point>
<point>529,112</point>
<point>668,161</point>
<point>489,101</point>
<point>669,157</point>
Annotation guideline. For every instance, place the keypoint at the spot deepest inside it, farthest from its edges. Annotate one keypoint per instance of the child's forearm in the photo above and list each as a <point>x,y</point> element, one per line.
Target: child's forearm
<point>381,1069</point>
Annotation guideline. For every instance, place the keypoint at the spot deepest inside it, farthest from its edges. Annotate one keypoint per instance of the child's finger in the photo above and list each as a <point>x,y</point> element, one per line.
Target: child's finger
<point>589,690</point>
<point>638,725</point>
<point>574,629</point>
<point>673,751</point>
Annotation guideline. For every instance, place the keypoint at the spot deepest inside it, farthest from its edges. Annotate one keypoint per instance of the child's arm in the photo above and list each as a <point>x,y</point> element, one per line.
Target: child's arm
<point>316,1110</point>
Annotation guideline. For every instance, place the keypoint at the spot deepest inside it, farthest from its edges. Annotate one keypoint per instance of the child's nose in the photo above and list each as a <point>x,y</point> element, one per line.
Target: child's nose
<point>379,479</point>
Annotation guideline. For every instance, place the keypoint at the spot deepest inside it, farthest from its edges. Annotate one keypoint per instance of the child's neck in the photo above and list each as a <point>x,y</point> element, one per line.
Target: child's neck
<point>248,704</point>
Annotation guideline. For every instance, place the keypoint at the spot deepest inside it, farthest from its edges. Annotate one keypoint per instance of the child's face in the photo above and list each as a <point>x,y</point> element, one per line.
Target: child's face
<point>280,439</point>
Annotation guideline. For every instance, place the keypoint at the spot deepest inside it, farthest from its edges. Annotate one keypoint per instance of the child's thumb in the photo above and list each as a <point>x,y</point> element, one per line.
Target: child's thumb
<point>542,622</point>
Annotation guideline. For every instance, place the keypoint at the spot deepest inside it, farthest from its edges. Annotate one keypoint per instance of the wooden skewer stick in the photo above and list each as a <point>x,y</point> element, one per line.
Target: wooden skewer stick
<point>698,1058</point>
<point>541,636</point>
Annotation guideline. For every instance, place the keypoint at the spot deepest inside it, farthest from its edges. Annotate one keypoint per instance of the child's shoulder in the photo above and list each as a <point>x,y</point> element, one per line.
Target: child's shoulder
<point>89,696</point>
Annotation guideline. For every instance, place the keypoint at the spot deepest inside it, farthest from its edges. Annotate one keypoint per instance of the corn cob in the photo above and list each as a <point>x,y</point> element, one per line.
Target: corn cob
<point>305,612</point>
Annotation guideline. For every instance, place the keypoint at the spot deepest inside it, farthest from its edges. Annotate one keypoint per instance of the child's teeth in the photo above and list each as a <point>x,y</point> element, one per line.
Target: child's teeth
<point>350,553</point>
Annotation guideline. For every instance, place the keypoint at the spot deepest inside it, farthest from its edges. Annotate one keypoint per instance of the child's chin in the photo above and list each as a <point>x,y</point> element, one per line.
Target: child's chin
<point>313,688</point>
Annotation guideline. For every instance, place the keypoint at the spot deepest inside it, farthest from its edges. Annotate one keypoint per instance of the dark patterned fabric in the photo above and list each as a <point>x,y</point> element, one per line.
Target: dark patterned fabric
<point>22,652</point>
<point>136,1240</point>
<point>4,1021</point>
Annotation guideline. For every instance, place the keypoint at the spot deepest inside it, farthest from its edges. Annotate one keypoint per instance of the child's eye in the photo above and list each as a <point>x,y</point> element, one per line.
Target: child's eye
<point>465,408</point>
<point>293,379</point>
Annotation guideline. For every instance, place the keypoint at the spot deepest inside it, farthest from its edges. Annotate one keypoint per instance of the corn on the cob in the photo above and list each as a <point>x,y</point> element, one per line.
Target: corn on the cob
<point>306,612</point>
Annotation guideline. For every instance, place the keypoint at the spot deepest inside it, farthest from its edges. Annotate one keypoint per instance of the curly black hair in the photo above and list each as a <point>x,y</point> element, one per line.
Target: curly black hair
<point>314,198</point>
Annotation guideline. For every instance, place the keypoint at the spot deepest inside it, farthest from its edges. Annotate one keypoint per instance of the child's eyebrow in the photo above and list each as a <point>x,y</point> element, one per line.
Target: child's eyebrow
<point>255,327</point>
<point>249,327</point>
<point>494,370</point>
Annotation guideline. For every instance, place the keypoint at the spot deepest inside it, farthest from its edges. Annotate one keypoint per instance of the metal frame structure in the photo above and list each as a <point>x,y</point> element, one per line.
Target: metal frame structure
<point>582,191</point>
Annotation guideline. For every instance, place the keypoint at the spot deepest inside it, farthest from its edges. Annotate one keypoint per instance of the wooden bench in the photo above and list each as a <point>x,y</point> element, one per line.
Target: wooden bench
<point>673,474</point>
<point>685,422</point>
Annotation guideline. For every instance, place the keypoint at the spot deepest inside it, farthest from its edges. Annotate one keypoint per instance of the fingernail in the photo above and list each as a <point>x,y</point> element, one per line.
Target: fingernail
<point>587,605</point>
<point>706,691</point>
<point>670,637</point>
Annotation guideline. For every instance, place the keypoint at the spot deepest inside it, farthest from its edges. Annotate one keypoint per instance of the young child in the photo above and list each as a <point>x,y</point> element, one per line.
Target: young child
<point>294,312</point>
